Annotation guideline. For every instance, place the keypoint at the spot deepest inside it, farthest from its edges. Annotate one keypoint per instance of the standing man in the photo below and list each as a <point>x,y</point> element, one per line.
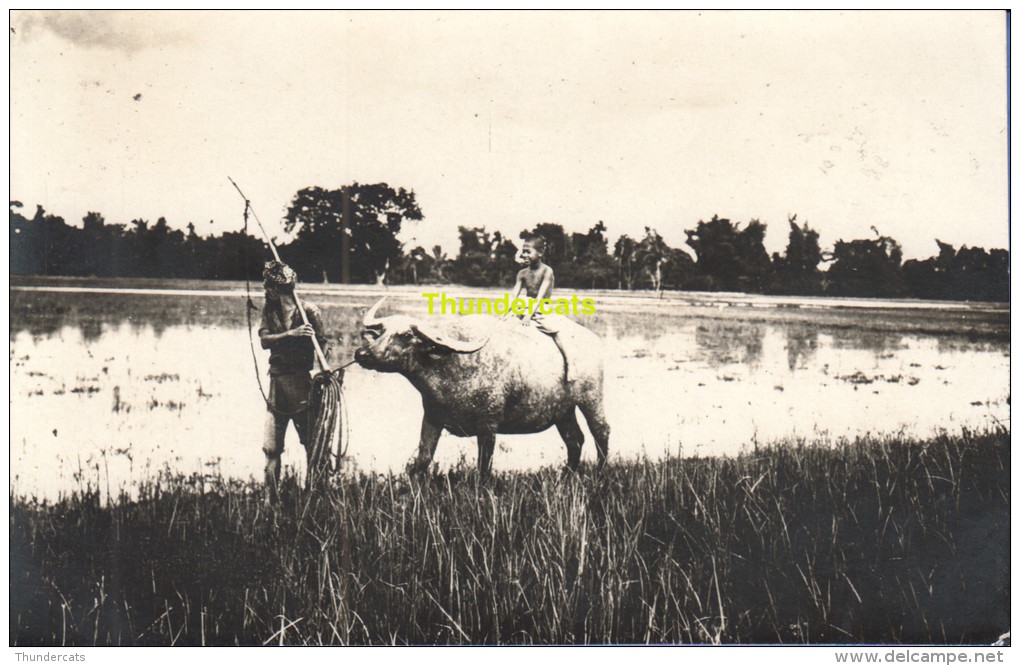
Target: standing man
<point>291,361</point>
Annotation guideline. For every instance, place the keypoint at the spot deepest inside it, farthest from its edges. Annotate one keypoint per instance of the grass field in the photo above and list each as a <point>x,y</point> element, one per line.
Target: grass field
<point>874,541</point>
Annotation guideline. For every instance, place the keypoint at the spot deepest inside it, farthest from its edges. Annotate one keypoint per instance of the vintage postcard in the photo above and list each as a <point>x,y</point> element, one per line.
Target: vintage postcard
<point>510,328</point>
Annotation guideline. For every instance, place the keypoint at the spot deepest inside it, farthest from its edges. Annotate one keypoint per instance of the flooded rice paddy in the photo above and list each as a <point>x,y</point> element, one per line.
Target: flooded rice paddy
<point>112,387</point>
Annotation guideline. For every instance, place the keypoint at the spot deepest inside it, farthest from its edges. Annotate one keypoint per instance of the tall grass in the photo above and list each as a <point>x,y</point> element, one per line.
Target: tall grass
<point>871,541</point>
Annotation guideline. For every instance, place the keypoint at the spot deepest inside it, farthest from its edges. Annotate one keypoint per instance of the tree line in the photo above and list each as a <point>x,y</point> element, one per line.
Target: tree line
<point>361,222</point>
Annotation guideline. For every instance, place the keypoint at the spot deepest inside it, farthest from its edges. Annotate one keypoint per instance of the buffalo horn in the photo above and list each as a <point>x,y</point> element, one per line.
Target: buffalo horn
<point>459,346</point>
<point>369,320</point>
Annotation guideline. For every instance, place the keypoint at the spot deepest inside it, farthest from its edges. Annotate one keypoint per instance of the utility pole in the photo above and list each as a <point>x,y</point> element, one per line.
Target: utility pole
<point>345,243</point>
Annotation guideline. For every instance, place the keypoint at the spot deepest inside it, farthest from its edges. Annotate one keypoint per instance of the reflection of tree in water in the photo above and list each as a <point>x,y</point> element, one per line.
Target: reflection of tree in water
<point>344,344</point>
<point>959,343</point>
<point>40,320</point>
<point>91,329</point>
<point>597,323</point>
<point>141,326</point>
<point>721,343</point>
<point>46,313</point>
<point>343,328</point>
<point>801,345</point>
<point>647,325</point>
<point>39,330</point>
<point>876,341</point>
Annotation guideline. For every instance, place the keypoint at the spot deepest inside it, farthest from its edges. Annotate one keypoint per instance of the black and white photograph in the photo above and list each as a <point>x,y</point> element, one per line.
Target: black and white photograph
<point>510,328</point>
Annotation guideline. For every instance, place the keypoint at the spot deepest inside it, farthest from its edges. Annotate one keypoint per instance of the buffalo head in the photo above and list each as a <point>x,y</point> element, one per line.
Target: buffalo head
<point>399,343</point>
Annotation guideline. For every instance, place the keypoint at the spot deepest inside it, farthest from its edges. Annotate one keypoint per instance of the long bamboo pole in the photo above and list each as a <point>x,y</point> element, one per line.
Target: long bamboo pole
<point>276,255</point>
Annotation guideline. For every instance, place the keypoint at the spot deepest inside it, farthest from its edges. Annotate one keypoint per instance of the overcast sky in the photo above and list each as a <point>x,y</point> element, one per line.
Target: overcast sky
<point>850,120</point>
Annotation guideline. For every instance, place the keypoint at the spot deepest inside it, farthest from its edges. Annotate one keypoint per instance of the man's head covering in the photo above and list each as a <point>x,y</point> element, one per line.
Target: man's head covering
<point>278,274</point>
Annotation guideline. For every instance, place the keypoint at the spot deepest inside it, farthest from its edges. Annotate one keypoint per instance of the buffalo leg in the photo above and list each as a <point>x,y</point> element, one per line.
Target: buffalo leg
<point>596,418</point>
<point>486,445</point>
<point>426,446</point>
<point>573,437</point>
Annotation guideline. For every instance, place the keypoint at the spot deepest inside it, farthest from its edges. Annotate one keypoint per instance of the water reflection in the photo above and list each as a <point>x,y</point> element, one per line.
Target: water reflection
<point>723,334</point>
<point>723,343</point>
<point>801,345</point>
<point>133,384</point>
<point>879,342</point>
<point>45,313</point>
<point>91,329</point>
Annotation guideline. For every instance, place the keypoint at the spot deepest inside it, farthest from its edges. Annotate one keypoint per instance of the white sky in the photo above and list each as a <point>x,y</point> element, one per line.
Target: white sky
<point>850,120</point>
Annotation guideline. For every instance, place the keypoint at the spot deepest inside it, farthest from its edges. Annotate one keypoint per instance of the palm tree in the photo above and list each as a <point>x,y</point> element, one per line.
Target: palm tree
<point>441,262</point>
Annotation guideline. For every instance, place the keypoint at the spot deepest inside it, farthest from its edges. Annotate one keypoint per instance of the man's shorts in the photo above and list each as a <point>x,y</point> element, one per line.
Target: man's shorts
<point>549,324</point>
<point>289,394</point>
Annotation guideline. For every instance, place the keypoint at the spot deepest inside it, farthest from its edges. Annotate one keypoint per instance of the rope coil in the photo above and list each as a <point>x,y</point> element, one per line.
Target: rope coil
<point>324,415</point>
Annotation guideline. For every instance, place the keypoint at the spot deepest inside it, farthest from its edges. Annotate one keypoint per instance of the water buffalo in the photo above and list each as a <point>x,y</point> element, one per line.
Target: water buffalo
<point>479,376</point>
